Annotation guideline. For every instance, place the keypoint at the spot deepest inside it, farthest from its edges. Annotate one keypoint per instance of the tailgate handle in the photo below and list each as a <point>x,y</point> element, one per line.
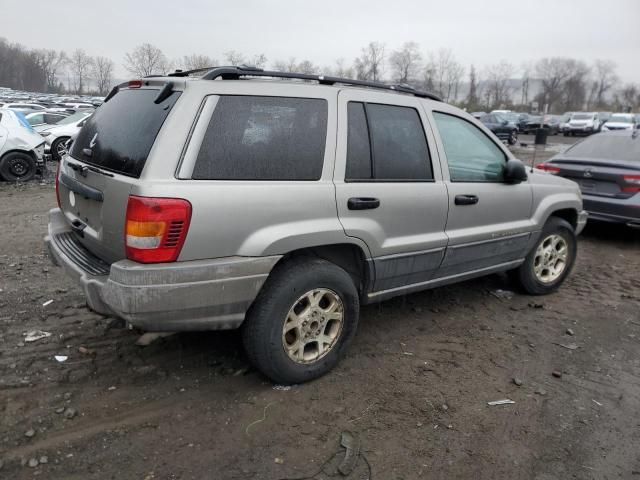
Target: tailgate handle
<point>80,188</point>
<point>466,199</point>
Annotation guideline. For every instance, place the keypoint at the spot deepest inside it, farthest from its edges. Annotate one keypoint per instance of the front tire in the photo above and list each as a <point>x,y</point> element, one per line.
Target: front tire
<point>550,261</point>
<point>513,137</point>
<point>302,321</point>
<point>17,167</point>
<point>58,148</point>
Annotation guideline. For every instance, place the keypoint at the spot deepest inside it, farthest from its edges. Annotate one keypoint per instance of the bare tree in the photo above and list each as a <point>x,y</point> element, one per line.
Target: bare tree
<point>606,78</point>
<point>259,60</point>
<point>553,73</point>
<point>473,97</point>
<point>405,62</point>
<point>146,59</point>
<point>498,91</point>
<point>286,65</point>
<point>370,64</point>
<point>234,57</point>
<point>340,70</point>
<point>527,69</point>
<point>574,91</point>
<point>442,74</point>
<point>51,62</point>
<point>628,97</point>
<point>102,70</point>
<point>195,61</point>
<point>80,64</point>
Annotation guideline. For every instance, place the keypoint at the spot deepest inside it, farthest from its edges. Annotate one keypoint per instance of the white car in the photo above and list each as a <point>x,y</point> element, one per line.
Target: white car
<point>620,121</point>
<point>584,123</point>
<point>21,148</point>
<point>56,136</point>
<point>44,119</point>
<point>24,107</point>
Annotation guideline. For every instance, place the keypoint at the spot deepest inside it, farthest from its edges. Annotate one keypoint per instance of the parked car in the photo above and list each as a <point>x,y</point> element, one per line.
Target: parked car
<point>24,107</point>
<point>564,122</point>
<point>45,118</point>
<point>620,121</point>
<point>549,122</point>
<point>607,168</point>
<point>478,115</point>
<point>502,127</point>
<point>56,136</point>
<point>281,207</point>
<point>21,148</point>
<point>583,123</point>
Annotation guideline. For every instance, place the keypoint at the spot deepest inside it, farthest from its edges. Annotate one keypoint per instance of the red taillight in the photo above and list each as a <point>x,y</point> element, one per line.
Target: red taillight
<point>58,184</point>
<point>634,181</point>
<point>135,83</point>
<point>548,168</point>
<point>156,228</point>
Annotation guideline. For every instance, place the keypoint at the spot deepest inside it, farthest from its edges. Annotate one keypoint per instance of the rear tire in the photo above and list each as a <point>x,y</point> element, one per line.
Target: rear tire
<point>57,147</point>
<point>301,301</point>
<point>550,261</point>
<point>17,167</point>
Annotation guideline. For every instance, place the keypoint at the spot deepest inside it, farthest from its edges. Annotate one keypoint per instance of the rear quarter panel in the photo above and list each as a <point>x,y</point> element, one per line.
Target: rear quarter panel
<point>247,218</point>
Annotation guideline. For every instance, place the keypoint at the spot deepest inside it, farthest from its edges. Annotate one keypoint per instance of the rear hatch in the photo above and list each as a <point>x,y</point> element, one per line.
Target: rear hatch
<point>105,160</point>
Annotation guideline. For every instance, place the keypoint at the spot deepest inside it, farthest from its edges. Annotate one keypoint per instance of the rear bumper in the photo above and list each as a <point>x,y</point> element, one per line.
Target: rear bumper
<point>180,296</point>
<point>613,209</point>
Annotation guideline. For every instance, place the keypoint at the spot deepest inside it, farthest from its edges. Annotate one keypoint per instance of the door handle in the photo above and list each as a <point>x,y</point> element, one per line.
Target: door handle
<point>363,203</point>
<point>466,199</point>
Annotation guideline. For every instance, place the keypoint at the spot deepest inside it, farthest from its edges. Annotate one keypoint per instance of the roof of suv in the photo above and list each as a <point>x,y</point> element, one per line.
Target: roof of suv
<point>237,73</point>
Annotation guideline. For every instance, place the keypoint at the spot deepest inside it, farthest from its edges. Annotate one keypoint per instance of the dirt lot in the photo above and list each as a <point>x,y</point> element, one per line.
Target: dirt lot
<point>413,389</point>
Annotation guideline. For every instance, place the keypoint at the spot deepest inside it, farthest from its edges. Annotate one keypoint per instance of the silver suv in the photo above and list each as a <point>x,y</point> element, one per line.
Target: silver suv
<point>280,206</point>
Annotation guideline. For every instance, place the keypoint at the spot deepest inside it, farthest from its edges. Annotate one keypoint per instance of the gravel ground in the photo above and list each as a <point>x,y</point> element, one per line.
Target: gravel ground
<point>413,390</point>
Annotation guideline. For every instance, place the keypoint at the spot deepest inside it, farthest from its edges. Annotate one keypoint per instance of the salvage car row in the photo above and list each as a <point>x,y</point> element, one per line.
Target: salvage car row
<point>506,125</point>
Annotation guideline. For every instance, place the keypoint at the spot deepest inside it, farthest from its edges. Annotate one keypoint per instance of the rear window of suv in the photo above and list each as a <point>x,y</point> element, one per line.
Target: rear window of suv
<point>264,138</point>
<point>120,134</point>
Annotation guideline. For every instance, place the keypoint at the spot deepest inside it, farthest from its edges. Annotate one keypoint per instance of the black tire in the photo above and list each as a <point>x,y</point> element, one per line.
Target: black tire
<point>17,167</point>
<point>54,147</point>
<point>262,331</point>
<point>513,137</point>
<point>525,275</point>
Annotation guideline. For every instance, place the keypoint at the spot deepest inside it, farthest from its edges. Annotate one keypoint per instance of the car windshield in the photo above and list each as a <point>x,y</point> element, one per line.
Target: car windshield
<point>502,117</point>
<point>621,119</point>
<point>607,146</point>
<point>582,116</point>
<point>76,117</point>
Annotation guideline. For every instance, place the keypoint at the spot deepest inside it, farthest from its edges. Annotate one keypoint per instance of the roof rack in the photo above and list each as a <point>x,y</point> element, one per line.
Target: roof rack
<point>236,72</point>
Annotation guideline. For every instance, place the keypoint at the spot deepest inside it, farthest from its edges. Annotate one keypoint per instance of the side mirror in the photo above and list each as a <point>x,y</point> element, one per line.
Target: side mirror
<point>515,171</point>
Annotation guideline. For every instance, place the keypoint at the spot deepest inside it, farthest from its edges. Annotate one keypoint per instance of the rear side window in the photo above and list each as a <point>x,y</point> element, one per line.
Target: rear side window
<point>386,143</point>
<point>264,138</point>
<point>120,134</point>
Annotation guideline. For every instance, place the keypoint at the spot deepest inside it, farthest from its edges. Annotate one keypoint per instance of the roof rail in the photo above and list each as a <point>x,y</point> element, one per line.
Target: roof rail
<point>236,72</point>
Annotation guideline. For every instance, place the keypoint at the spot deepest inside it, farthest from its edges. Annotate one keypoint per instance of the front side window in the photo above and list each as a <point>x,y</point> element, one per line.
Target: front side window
<point>471,155</point>
<point>264,138</point>
<point>386,143</point>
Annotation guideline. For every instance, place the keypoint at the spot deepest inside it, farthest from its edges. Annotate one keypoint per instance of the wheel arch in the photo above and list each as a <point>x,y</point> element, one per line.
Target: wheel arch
<point>568,214</point>
<point>31,153</point>
<point>348,256</point>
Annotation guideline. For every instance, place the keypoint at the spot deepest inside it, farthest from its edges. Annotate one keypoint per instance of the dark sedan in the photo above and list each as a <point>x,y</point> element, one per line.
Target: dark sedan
<point>607,168</point>
<point>501,127</point>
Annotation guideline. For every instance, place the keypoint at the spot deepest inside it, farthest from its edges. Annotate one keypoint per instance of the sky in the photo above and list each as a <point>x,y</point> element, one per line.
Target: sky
<point>479,32</point>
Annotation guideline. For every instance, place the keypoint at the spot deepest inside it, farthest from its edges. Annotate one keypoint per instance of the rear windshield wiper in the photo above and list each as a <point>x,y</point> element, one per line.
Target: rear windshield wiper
<point>82,169</point>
